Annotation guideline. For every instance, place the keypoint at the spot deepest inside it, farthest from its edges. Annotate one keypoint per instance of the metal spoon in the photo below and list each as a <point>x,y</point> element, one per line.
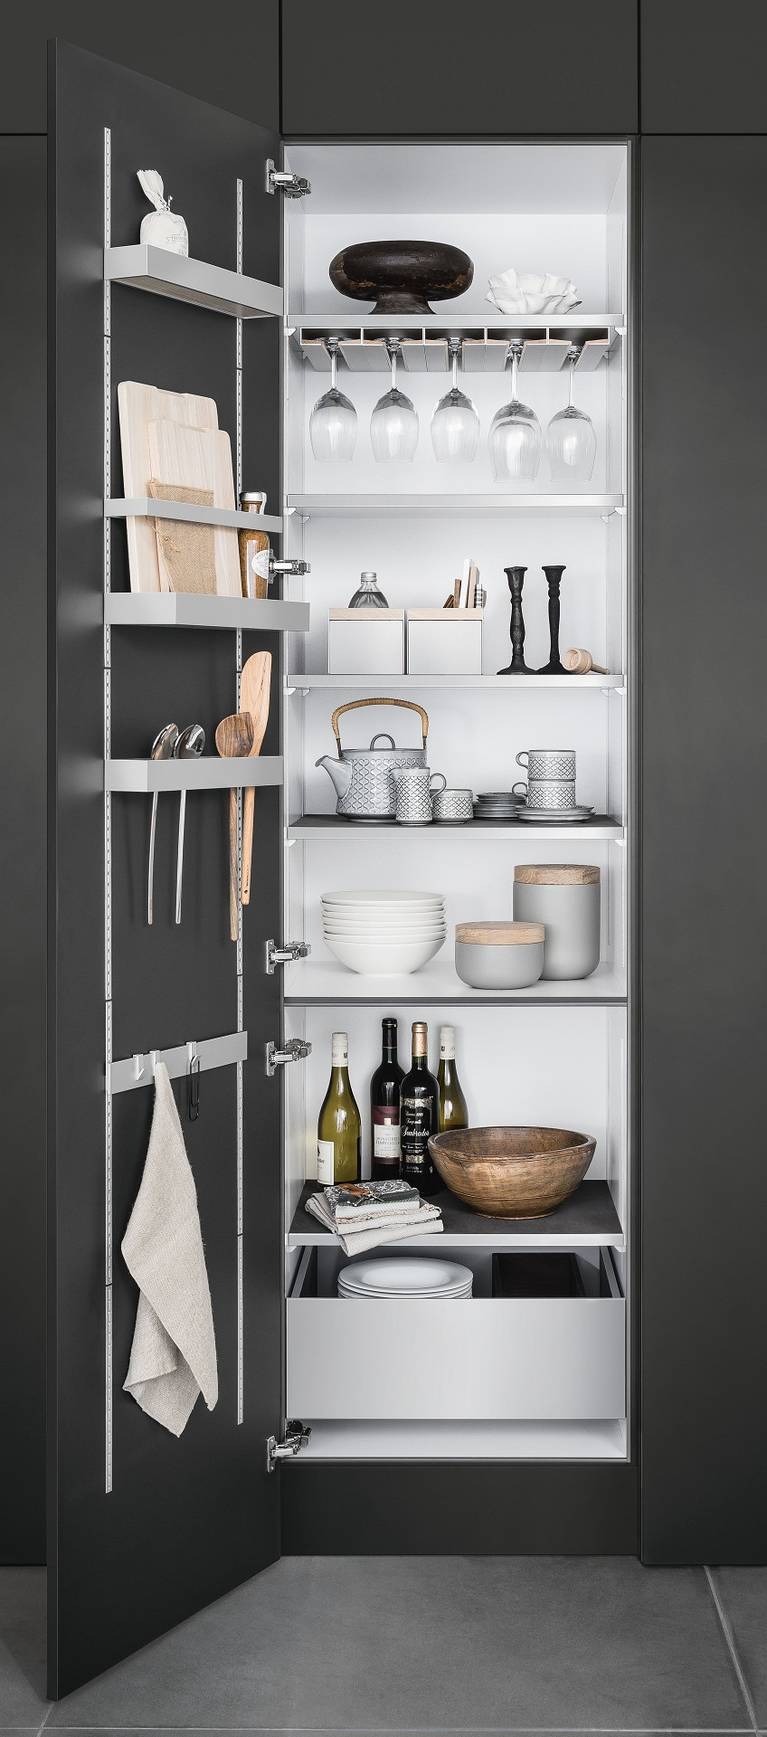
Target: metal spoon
<point>161,749</point>
<point>189,746</point>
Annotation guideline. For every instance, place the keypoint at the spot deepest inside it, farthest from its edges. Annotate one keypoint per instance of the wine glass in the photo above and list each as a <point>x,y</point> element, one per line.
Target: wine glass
<point>333,422</point>
<point>455,423</point>
<point>570,439</point>
<point>394,422</point>
<point>515,433</point>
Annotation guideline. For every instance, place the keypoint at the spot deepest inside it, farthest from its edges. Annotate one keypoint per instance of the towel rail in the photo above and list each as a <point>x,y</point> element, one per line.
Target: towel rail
<point>210,1052</point>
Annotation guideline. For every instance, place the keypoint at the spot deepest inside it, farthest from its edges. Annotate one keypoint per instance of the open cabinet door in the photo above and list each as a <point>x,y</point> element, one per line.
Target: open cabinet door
<point>144,1527</point>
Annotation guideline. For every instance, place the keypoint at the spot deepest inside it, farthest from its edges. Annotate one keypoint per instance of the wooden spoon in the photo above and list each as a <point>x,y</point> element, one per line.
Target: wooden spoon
<point>579,662</point>
<point>255,684</point>
<point>234,740</point>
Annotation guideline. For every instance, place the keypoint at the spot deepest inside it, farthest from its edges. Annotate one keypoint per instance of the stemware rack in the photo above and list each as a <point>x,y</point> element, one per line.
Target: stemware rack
<point>485,340</point>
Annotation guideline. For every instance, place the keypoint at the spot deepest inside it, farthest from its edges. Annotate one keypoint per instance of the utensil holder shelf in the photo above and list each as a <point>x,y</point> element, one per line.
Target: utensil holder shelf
<point>209,773</point>
<point>211,1052</point>
<point>163,273</point>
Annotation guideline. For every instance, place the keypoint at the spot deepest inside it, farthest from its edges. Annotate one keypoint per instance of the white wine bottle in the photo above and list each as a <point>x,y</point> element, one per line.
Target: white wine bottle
<point>339,1131</point>
<point>453,1109</point>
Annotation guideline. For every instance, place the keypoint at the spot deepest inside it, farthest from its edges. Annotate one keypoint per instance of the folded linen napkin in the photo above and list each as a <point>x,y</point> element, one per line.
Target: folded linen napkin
<point>370,1229</point>
<point>173,1355</point>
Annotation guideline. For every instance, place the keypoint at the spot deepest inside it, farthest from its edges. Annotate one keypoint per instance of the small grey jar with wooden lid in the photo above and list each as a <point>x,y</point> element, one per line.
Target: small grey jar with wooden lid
<point>499,955</point>
<point>565,897</point>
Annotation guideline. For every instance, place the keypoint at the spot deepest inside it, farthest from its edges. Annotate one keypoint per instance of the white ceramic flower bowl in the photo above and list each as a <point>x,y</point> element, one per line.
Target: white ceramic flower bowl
<point>531,292</point>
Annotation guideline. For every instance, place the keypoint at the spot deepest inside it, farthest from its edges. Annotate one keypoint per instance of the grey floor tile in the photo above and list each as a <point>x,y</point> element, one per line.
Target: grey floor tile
<point>22,1647</point>
<point>434,1643</point>
<point>743,1594</point>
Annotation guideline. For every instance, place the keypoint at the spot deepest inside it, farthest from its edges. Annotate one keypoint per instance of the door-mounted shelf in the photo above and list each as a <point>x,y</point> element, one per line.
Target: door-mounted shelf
<point>146,507</point>
<point>180,609</point>
<point>209,773</point>
<point>163,273</point>
<point>467,506</point>
<point>211,1052</point>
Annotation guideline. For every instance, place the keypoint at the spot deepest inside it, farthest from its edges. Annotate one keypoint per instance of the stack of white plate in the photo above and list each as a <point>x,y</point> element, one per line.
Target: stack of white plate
<point>405,1276</point>
<point>497,805</point>
<point>381,933</point>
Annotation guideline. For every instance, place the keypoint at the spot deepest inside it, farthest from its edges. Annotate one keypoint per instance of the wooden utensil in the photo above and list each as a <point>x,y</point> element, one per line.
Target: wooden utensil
<point>234,739</point>
<point>255,684</point>
<point>578,662</point>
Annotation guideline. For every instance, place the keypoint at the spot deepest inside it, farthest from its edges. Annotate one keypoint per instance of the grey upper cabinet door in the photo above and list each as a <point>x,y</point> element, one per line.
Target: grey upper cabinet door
<point>702,66</point>
<point>703,906</point>
<point>496,67</point>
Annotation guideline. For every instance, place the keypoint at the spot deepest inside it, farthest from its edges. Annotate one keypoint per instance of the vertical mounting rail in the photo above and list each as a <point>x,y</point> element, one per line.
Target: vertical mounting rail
<point>108,1371</point>
<point>239,1086</point>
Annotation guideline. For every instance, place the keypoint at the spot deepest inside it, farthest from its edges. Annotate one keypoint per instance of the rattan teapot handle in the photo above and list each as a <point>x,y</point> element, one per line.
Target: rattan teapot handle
<point>351,706</point>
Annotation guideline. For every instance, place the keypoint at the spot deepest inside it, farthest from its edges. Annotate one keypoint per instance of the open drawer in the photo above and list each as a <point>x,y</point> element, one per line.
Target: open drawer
<point>488,1357</point>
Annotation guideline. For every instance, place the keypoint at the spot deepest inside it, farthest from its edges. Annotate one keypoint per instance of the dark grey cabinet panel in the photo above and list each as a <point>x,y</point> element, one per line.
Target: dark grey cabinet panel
<point>703,910</point>
<point>228,55</point>
<point>702,66</point>
<point>22,853</point>
<point>504,67</point>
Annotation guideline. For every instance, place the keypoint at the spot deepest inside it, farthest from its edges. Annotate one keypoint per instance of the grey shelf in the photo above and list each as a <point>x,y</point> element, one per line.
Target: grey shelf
<point>393,683</point>
<point>332,826</point>
<point>209,773</point>
<point>587,1220</point>
<point>179,609</point>
<point>145,507</point>
<point>163,273</point>
<point>466,506</point>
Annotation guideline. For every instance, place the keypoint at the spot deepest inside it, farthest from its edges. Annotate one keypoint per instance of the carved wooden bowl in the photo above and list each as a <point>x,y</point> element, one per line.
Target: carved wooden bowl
<point>399,276</point>
<point>512,1172</point>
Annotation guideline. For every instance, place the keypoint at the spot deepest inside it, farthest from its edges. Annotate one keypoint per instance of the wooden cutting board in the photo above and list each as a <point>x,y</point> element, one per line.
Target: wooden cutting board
<point>198,458</point>
<point>138,406</point>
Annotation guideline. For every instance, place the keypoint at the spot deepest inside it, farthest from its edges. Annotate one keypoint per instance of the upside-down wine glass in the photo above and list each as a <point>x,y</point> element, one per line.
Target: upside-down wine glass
<point>394,422</point>
<point>570,439</point>
<point>515,434</point>
<point>333,422</point>
<point>455,423</point>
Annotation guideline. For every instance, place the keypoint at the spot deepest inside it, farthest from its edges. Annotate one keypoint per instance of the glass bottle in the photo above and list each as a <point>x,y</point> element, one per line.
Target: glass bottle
<point>419,1115</point>
<point>384,1107</point>
<point>254,549</point>
<point>367,595</point>
<point>339,1130</point>
<point>453,1109</point>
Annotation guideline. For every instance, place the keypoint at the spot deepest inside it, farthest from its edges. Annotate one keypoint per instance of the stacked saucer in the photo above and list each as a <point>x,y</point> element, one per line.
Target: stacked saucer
<point>380,933</point>
<point>497,805</point>
<point>405,1276</point>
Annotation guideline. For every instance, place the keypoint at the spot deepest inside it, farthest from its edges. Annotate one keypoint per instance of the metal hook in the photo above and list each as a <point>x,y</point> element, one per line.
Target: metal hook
<point>193,1082</point>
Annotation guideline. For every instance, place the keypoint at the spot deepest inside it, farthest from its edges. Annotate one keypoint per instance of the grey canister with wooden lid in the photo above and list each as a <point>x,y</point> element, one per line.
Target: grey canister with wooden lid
<point>565,897</point>
<point>499,955</point>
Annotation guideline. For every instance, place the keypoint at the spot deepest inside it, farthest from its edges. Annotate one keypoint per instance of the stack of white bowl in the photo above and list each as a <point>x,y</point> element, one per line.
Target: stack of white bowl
<point>405,1276</point>
<point>382,934</point>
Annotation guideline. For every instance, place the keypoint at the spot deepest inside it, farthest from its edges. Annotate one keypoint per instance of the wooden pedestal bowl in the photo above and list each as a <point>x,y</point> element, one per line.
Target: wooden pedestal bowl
<point>512,1172</point>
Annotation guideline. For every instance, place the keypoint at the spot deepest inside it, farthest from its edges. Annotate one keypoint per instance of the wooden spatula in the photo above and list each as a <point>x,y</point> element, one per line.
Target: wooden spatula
<point>234,739</point>
<point>255,683</point>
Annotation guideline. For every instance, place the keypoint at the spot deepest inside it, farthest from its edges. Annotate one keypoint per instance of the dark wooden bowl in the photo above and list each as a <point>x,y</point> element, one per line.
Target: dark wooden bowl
<point>512,1172</point>
<point>399,275</point>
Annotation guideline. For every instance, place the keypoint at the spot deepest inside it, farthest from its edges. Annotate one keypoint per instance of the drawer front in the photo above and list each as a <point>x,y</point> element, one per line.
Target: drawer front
<point>484,1358</point>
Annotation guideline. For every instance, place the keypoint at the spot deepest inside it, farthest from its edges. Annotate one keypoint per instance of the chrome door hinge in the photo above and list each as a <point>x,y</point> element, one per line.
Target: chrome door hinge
<point>296,569</point>
<point>296,1049</point>
<point>285,955</point>
<point>295,1438</point>
<point>279,181</point>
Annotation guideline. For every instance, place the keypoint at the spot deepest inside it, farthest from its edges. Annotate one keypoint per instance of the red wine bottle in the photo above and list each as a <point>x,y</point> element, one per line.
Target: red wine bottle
<point>419,1115</point>
<point>384,1107</point>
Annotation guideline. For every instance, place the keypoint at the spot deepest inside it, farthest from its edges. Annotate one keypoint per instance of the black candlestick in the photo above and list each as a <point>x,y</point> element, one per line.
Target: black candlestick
<point>553,580</point>
<point>516,579</point>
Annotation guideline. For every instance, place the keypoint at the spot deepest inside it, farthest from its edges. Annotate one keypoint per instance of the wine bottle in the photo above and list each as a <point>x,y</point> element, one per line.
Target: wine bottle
<point>339,1130</point>
<point>453,1110</point>
<point>384,1107</point>
<point>419,1116</point>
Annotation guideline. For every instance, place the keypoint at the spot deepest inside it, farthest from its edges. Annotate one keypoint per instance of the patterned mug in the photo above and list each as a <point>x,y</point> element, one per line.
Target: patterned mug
<point>414,785</point>
<point>554,794</point>
<point>545,763</point>
<point>453,805</point>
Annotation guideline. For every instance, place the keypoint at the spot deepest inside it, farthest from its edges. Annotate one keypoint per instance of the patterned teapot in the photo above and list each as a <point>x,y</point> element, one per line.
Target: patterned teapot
<point>362,777</point>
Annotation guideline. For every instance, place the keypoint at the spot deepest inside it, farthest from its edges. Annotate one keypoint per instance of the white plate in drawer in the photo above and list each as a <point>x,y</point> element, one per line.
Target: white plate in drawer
<point>497,1357</point>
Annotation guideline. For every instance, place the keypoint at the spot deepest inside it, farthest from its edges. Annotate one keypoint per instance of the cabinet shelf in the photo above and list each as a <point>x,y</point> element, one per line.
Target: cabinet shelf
<point>209,773</point>
<point>333,826</point>
<point>315,981</point>
<point>180,609</point>
<point>394,683</point>
<point>466,506</point>
<point>587,1220</point>
<point>146,507</point>
<point>163,273</point>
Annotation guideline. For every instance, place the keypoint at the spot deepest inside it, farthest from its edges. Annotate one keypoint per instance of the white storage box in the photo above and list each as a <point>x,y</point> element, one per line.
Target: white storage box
<point>444,641</point>
<point>366,642</point>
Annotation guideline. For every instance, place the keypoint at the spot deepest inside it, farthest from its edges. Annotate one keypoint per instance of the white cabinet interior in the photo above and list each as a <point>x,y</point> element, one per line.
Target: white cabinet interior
<point>554,1378</point>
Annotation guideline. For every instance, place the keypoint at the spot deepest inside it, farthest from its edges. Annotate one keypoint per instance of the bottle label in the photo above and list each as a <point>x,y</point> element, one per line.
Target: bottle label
<point>325,1163</point>
<point>417,1124</point>
<point>386,1135</point>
